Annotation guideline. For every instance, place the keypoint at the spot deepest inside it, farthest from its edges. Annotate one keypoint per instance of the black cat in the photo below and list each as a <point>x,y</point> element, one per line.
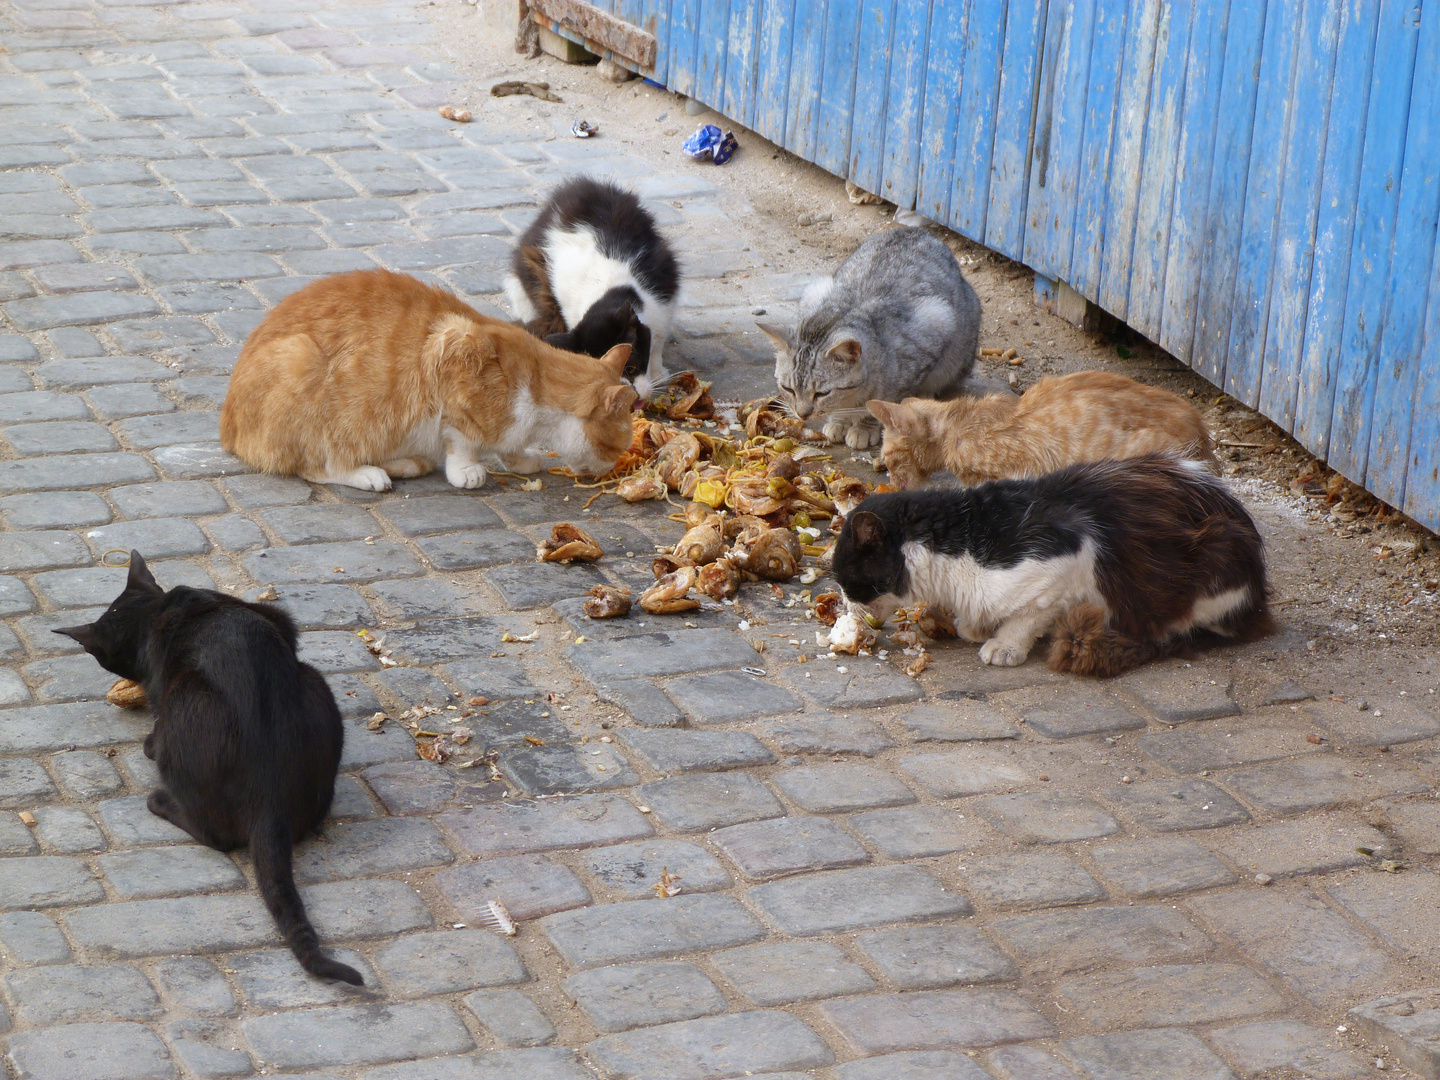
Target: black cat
<point>246,737</point>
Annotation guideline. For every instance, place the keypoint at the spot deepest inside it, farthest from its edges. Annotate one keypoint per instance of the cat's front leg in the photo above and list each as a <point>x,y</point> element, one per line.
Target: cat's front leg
<point>461,468</point>
<point>835,430</point>
<point>1012,641</point>
<point>524,462</point>
<point>864,435</point>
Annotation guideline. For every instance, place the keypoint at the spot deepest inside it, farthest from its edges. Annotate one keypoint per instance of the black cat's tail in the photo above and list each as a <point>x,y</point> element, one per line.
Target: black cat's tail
<point>272,849</point>
<point>1084,643</point>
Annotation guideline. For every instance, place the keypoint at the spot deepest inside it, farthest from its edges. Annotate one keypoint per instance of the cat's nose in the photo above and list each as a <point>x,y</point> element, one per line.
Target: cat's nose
<point>803,409</point>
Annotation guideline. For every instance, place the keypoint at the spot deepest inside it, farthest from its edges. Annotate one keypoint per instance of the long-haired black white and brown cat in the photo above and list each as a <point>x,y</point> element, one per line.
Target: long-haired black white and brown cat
<point>1120,562</point>
<point>247,738</point>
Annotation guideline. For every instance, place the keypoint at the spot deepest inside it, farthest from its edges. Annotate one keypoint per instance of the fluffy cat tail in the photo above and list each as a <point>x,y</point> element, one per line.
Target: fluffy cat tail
<point>1083,642</point>
<point>272,849</point>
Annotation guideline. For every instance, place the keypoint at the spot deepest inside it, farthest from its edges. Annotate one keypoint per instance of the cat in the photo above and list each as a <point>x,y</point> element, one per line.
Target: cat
<point>592,271</point>
<point>247,738</point>
<point>370,375</point>
<point>1087,416</point>
<point>1120,562</point>
<point>896,319</point>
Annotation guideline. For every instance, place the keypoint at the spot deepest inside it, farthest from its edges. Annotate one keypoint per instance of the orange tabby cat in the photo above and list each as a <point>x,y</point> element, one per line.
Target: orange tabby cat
<point>369,375</point>
<point>1087,416</point>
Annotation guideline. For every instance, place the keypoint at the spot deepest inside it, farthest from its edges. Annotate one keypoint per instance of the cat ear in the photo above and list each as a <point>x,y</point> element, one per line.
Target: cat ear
<point>617,358</point>
<point>140,576</point>
<point>900,418</point>
<point>618,398</point>
<point>84,635</point>
<point>845,352</point>
<point>777,338</point>
<point>868,530</point>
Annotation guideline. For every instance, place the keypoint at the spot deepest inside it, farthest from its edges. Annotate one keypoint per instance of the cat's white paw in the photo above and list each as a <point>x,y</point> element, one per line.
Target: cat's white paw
<point>835,430</point>
<point>366,478</point>
<point>525,462</point>
<point>1002,654</point>
<point>863,436</point>
<point>466,476</point>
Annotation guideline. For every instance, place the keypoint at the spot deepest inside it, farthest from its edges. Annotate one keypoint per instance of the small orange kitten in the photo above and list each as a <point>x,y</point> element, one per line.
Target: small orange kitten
<point>371,375</point>
<point>1087,416</point>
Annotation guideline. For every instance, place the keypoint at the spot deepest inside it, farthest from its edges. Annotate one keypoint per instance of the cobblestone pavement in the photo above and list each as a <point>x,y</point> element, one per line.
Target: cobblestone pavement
<point>980,873</point>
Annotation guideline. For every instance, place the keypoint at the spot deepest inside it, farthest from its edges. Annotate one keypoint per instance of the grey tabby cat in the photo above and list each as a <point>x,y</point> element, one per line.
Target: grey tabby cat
<point>896,320</point>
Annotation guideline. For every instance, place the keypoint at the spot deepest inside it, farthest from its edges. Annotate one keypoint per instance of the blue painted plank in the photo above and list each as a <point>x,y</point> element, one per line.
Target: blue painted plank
<point>975,123</point>
<point>1010,159</point>
<point>738,99</point>
<point>1226,199</point>
<point>657,22</point>
<point>1304,171</point>
<point>1127,154</point>
<point>1107,59</point>
<point>837,90</point>
<point>1395,372</point>
<point>1156,198</point>
<point>1334,227</point>
<point>944,64</point>
<point>772,75</point>
<point>1250,307</point>
<point>1422,480</point>
<point>1059,131</point>
<point>1368,292</point>
<point>872,81</point>
<point>684,47</point>
<point>905,100</point>
<point>712,37</point>
<point>1184,255</point>
<point>802,108</point>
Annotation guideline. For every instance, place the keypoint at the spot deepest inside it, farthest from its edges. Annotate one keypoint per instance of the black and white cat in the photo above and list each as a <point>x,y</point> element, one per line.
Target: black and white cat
<point>591,272</point>
<point>247,738</point>
<point>1120,562</point>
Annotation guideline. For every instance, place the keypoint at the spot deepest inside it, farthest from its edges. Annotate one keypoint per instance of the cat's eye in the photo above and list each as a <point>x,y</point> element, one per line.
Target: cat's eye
<point>821,393</point>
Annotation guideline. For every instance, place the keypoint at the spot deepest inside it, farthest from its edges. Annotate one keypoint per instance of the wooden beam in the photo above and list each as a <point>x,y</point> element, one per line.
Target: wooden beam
<point>600,27</point>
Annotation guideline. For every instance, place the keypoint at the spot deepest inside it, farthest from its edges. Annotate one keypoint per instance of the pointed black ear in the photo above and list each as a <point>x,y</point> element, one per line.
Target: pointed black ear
<point>84,635</point>
<point>560,341</point>
<point>869,530</point>
<point>140,576</point>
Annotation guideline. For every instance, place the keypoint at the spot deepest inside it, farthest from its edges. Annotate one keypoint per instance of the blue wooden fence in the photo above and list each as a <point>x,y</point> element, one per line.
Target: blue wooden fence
<point>1253,184</point>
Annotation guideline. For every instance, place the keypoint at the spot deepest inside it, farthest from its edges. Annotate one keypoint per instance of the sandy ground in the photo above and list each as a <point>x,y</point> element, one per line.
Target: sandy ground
<point>1346,571</point>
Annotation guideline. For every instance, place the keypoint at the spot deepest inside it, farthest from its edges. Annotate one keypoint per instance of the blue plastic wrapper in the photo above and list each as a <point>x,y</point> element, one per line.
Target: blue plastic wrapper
<point>710,142</point>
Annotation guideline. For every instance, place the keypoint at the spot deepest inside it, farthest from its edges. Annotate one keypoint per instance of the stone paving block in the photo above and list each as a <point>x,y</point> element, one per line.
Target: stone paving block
<point>67,994</point>
<point>419,965</point>
<point>643,700</point>
<point>535,1063</point>
<point>170,926</point>
<point>1317,952</point>
<point>28,937</point>
<point>274,979</point>
<point>324,606</point>
<point>320,522</point>
<point>838,900</point>
<point>1045,817</point>
<point>1027,1063</point>
<point>332,563</point>
<point>98,371</point>
<point>1163,866</point>
<point>825,734</point>
<point>919,831</point>
<point>1308,845</point>
<point>858,683</point>
<point>208,1048</point>
<point>15,596</point>
<point>527,825</point>
<point>381,846</point>
<point>189,461</point>
<point>695,751</point>
<point>726,697</point>
<point>1385,722</point>
<point>973,770</point>
<point>957,717</point>
<point>356,1035</point>
<point>126,399</point>
<point>1387,903</point>
<point>356,700</point>
<point>633,870</point>
<point>1070,709</point>
<point>350,800</point>
<point>34,405</point>
<point>129,822</point>
<point>925,957</point>
<point>412,686</point>
<point>47,881</point>
<point>61,437</point>
<point>649,929</point>
<point>72,341</point>
<point>1177,692</point>
<point>1406,1025</point>
<point>469,550</point>
<point>1319,783</point>
<point>12,689</point>
<point>78,724</point>
<point>1219,746</point>
<point>331,651</point>
<point>664,652</point>
<point>497,679</point>
<point>15,837</point>
<point>695,803</point>
<point>68,829</point>
<point>104,1051</point>
<point>41,550</point>
<point>425,598</point>
<point>1029,879</point>
<point>1172,994</point>
<point>158,538</point>
<point>824,788</point>
<point>768,849</point>
<point>791,971</point>
<point>196,985</point>
<point>558,770</point>
<point>99,585</point>
<point>510,1017</point>
<point>738,1044</point>
<point>528,885</point>
<point>24,782</point>
<point>1146,1055</point>
<point>369,908</point>
<point>934,1020</point>
<point>626,996</point>
<point>79,309</point>
<point>453,639</point>
<point>524,587</point>
<point>916,1065</point>
<point>254,491</point>
<point>168,429</point>
<point>65,509</point>
<point>182,499</point>
<point>1278,1044</point>
<point>438,513</point>
<point>1176,805</point>
<point>1416,823</point>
